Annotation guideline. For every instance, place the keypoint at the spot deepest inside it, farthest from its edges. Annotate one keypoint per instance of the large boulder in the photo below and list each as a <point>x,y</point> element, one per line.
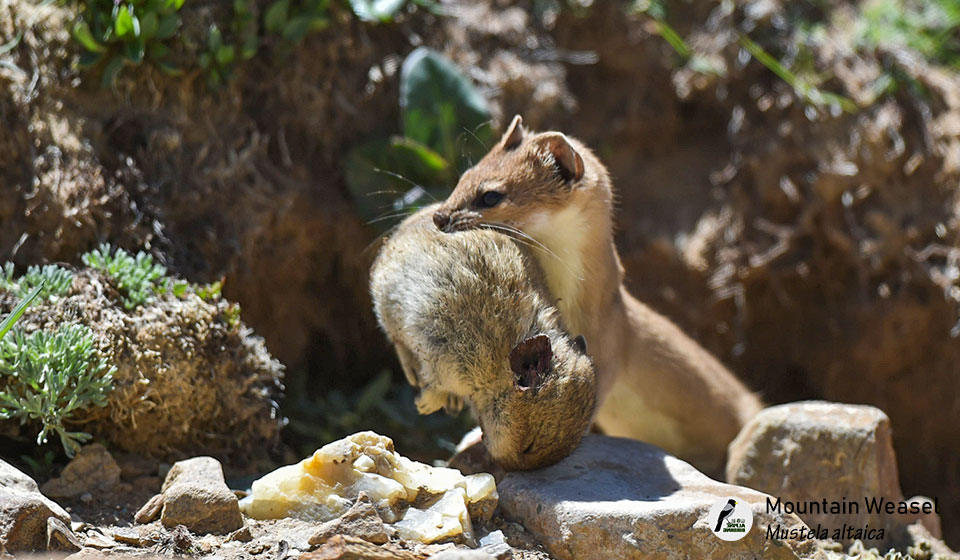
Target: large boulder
<point>24,512</point>
<point>808,453</point>
<point>618,498</point>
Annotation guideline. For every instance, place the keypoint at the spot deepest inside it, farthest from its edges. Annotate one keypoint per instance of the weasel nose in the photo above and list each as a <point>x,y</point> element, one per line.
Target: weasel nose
<point>441,219</point>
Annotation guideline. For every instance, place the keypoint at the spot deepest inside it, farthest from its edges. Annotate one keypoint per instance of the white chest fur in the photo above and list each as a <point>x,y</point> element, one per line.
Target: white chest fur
<point>563,233</point>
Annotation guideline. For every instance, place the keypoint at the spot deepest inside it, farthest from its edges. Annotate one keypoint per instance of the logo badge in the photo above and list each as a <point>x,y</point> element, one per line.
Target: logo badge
<point>730,519</point>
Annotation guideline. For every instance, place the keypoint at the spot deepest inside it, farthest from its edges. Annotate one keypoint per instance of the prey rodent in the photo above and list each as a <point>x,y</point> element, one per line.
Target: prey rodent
<point>471,321</point>
<point>654,382</point>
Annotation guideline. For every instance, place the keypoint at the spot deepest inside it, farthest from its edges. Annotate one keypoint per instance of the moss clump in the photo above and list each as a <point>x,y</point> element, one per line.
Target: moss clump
<point>177,374</point>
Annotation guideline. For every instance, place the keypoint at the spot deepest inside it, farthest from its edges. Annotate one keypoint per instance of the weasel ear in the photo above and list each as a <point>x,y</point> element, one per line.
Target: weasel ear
<point>514,134</point>
<point>530,361</point>
<point>568,162</point>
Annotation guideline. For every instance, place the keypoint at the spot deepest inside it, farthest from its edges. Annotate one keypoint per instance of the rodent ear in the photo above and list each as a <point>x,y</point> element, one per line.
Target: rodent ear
<point>580,342</point>
<point>514,134</point>
<point>530,361</point>
<point>568,161</point>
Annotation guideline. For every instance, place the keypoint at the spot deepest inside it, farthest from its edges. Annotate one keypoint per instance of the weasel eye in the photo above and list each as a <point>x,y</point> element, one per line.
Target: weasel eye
<point>488,199</point>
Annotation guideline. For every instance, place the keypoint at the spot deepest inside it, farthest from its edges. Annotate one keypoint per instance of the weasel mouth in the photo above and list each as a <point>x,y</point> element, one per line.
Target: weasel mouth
<point>459,220</point>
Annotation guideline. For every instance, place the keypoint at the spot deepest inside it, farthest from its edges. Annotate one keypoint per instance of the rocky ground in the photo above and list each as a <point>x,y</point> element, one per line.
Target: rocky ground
<point>612,498</point>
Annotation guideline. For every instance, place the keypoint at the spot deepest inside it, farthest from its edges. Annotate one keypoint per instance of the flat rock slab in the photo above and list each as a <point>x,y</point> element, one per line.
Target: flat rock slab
<point>619,498</point>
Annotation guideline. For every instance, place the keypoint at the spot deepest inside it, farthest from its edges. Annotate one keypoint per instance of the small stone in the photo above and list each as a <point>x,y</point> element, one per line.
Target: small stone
<point>361,520</point>
<point>129,536</point>
<point>502,551</point>
<point>24,512</point>
<point>93,470</point>
<point>495,544</point>
<point>482,497</point>
<point>345,547</point>
<point>241,535</point>
<point>91,554</point>
<point>97,540</point>
<point>462,554</point>
<point>60,537</point>
<point>931,521</point>
<point>206,544</point>
<point>196,496</point>
<point>150,510</point>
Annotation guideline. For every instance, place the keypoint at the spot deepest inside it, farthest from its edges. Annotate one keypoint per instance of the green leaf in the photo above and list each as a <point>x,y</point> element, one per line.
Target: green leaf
<point>423,161</point>
<point>126,24</point>
<point>376,10</point>
<point>81,32</point>
<point>174,5</point>
<point>382,171</point>
<point>297,28</point>
<point>7,323</point>
<point>250,45</point>
<point>170,69</point>
<point>149,24</point>
<point>431,6</point>
<point>225,55</point>
<point>157,51</point>
<point>168,26</point>
<point>110,72</point>
<point>89,59</point>
<point>276,17</point>
<point>441,108</point>
<point>215,38</point>
<point>134,51</point>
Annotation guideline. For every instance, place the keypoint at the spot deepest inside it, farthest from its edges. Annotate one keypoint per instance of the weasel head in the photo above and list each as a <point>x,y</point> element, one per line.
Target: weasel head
<point>525,180</point>
<point>541,417</point>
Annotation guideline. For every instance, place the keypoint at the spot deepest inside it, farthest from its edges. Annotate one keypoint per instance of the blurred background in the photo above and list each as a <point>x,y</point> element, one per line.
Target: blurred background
<point>787,176</point>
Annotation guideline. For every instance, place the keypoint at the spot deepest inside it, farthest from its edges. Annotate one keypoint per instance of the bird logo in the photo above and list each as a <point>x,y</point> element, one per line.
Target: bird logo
<point>725,513</point>
<point>730,519</point>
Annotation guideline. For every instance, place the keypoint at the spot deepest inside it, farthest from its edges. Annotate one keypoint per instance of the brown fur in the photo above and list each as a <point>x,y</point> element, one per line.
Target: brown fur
<point>654,382</point>
<point>471,320</point>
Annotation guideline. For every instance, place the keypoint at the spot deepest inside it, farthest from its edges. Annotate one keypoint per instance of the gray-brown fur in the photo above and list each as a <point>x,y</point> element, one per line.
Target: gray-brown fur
<point>456,306</point>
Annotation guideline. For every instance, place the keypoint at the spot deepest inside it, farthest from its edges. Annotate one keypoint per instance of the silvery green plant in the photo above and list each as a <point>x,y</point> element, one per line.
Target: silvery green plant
<point>56,280</point>
<point>136,277</point>
<point>47,377</point>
